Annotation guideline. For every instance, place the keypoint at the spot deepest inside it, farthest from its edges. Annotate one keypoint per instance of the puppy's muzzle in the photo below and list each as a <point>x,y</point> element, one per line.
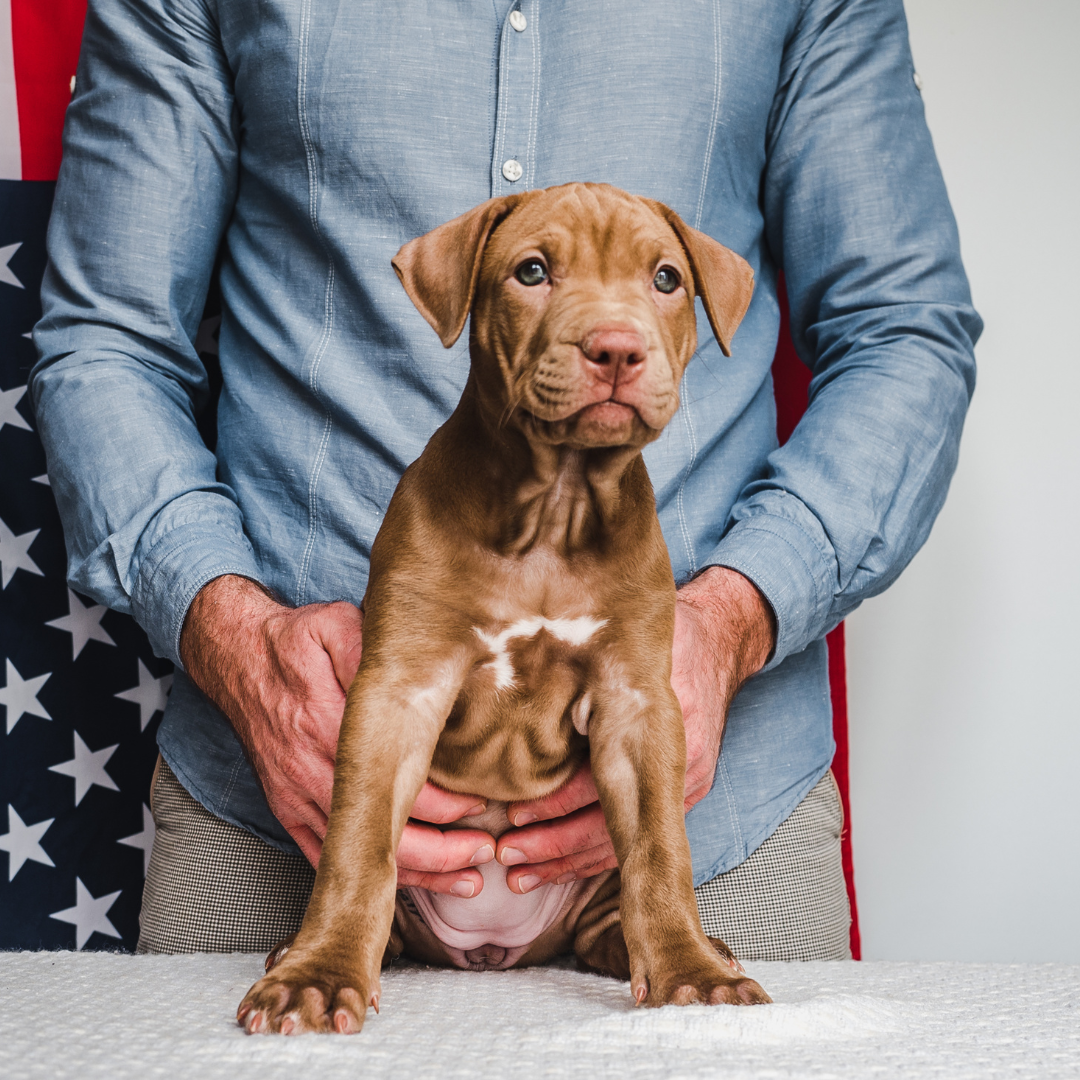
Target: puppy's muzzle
<point>613,366</point>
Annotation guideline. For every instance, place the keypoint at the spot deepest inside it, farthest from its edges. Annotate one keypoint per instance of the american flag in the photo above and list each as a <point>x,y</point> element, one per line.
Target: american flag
<point>80,689</point>
<point>81,692</point>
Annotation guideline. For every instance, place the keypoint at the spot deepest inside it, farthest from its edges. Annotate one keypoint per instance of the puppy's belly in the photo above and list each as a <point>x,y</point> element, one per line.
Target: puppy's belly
<point>496,917</point>
<point>496,928</point>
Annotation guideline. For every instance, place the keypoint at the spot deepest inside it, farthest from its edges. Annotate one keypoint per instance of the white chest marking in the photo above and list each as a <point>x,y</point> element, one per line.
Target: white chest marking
<point>572,631</point>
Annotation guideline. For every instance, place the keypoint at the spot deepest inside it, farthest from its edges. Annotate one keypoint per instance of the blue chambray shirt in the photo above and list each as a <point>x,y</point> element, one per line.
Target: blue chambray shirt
<point>308,139</point>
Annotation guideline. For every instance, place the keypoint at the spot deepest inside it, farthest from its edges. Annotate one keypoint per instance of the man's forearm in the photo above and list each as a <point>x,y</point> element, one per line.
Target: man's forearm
<point>227,617</point>
<point>736,619</point>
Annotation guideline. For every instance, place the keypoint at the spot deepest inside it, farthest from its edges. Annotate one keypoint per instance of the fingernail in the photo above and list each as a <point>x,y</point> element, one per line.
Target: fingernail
<point>564,879</point>
<point>479,808</point>
<point>528,882</point>
<point>524,818</point>
<point>483,855</point>
<point>463,888</point>
<point>511,857</point>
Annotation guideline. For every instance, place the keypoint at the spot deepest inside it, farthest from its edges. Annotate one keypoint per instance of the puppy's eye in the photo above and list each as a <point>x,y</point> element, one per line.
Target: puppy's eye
<point>531,272</point>
<point>666,280</point>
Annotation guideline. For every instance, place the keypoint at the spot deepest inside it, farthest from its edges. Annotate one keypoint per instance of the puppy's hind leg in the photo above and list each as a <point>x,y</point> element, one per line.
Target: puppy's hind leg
<point>598,938</point>
<point>599,943</point>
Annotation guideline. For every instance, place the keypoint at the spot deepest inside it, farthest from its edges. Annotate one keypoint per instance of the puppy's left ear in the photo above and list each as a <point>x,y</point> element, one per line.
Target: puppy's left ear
<point>723,280</point>
<point>440,268</point>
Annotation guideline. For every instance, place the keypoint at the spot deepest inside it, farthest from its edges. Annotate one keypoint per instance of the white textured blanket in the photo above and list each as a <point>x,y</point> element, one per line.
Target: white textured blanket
<point>89,1015</point>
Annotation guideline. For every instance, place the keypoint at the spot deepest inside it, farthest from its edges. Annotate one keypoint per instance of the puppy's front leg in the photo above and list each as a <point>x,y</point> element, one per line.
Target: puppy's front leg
<point>395,711</point>
<point>638,751</point>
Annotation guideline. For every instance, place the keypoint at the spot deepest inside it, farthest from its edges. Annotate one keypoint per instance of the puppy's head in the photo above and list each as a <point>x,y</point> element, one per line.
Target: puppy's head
<point>582,299</point>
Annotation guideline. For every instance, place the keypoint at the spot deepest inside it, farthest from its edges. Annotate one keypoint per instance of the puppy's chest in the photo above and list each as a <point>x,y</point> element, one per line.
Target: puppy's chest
<point>521,660</point>
<point>524,708</point>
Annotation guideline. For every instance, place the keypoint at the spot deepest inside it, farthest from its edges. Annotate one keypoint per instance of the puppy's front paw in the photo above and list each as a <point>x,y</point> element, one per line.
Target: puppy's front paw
<point>698,977</point>
<point>300,996</point>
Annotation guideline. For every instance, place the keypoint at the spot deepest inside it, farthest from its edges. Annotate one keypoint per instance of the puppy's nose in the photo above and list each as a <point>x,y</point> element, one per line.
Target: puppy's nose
<point>614,355</point>
<point>492,955</point>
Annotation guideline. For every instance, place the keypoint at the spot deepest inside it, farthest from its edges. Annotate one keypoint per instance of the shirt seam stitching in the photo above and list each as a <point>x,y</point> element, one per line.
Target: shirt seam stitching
<point>733,809</point>
<point>684,527</point>
<point>534,118</point>
<point>500,114</point>
<point>328,304</point>
<point>714,119</point>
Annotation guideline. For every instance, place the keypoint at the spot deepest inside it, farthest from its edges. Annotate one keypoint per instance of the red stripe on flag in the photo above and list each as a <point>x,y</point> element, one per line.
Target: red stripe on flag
<point>46,35</point>
<point>791,384</point>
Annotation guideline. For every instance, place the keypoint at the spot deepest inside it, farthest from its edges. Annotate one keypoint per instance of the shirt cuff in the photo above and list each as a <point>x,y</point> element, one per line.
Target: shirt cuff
<point>790,569</point>
<point>193,540</point>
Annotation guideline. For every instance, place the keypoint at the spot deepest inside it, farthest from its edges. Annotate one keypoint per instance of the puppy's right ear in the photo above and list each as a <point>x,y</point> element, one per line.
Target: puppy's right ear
<point>440,268</point>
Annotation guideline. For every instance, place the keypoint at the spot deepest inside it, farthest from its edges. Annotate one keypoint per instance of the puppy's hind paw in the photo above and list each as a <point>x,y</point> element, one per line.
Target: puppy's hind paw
<point>277,954</point>
<point>724,952</point>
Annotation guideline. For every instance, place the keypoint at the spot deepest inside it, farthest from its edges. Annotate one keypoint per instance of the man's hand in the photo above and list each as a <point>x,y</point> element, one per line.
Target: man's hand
<point>280,675</point>
<point>725,631</point>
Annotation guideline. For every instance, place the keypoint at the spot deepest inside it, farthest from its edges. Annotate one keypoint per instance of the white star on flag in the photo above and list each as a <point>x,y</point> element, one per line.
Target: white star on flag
<point>88,914</point>
<point>83,624</point>
<point>42,479</point>
<point>144,839</point>
<point>22,842</point>
<point>7,275</point>
<point>8,413</point>
<point>14,553</point>
<point>87,768</point>
<point>149,695</point>
<point>19,696</point>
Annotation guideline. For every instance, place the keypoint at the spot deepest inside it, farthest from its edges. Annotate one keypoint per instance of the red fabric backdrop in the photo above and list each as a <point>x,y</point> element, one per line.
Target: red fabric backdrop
<point>791,381</point>
<point>45,42</point>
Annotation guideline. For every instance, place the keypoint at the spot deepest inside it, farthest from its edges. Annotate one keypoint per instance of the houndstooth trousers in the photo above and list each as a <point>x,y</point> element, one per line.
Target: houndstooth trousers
<point>212,887</point>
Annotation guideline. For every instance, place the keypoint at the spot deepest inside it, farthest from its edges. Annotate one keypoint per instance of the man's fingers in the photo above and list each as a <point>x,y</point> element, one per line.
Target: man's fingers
<point>697,787</point>
<point>432,851</point>
<point>463,883</point>
<point>296,812</point>
<point>582,830</point>
<point>292,786</point>
<point>320,787</point>
<point>307,841</point>
<point>339,630</point>
<point>437,805</point>
<point>582,864</point>
<point>577,792</point>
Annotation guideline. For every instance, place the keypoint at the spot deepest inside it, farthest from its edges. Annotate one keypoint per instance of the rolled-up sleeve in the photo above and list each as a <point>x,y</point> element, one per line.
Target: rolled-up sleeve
<point>857,213</point>
<point>146,188</point>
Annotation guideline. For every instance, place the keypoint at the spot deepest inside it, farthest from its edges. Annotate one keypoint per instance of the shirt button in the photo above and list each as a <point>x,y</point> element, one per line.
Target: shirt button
<point>512,170</point>
<point>918,81</point>
<point>518,21</point>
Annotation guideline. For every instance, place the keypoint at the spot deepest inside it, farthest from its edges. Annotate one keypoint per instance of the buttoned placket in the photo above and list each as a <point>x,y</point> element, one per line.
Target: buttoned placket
<point>513,165</point>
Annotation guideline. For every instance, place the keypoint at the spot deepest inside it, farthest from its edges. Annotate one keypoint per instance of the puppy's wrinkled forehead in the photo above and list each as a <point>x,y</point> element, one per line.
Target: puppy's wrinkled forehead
<point>600,232</point>
<point>463,261</point>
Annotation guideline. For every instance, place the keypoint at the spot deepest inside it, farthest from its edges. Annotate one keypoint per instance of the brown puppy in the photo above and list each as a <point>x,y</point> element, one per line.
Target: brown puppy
<point>519,615</point>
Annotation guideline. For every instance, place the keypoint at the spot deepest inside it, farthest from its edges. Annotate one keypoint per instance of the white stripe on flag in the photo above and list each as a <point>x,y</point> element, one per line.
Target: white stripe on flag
<point>10,154</point>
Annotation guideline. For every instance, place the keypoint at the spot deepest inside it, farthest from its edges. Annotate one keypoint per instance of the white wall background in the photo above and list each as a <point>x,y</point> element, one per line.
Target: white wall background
<point>965,721</point>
